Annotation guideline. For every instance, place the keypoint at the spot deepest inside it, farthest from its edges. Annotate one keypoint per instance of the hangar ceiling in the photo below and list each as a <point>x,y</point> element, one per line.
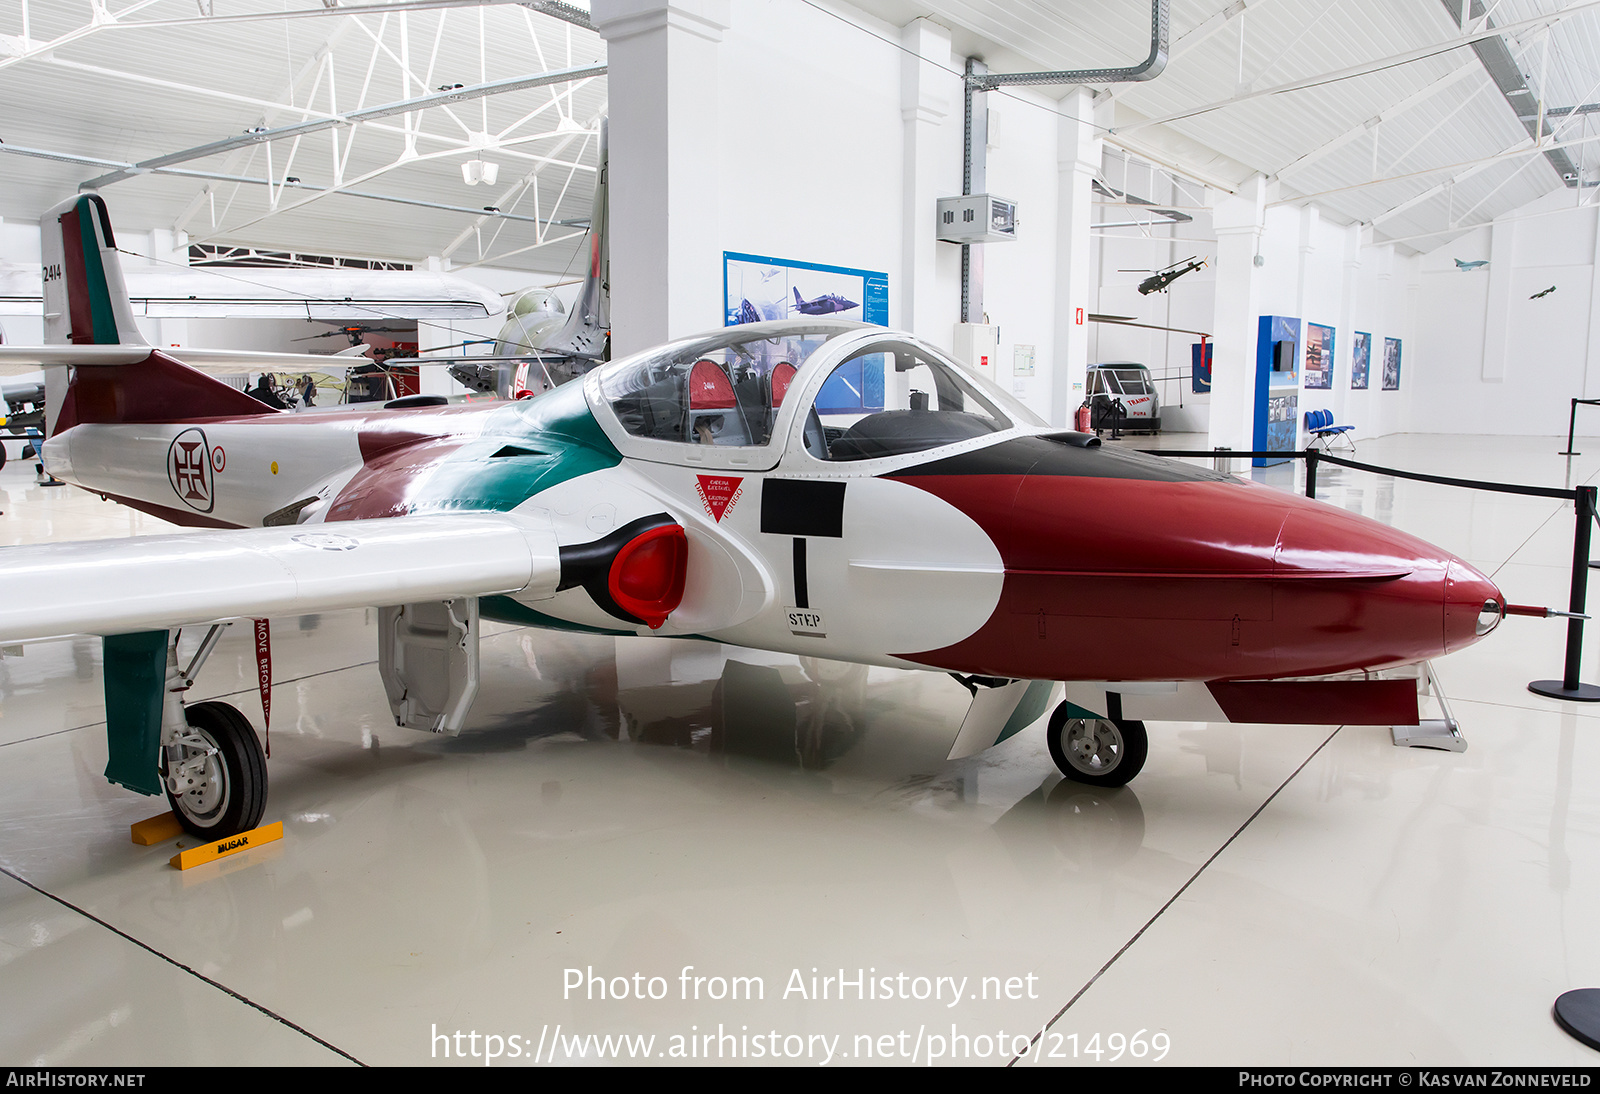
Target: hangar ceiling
<point>1385,112</point>
<point>183,87</point>
<point>1380,110</point>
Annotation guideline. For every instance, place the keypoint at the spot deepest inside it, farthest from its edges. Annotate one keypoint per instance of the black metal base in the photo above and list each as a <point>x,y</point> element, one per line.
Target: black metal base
<point>1583,693</point>
<point>1569,453</point>
<point>1578,1012</point>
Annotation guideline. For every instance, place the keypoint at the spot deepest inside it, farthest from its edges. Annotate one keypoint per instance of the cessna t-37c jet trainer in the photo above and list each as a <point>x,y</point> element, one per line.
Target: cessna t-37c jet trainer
<point>810,486</point>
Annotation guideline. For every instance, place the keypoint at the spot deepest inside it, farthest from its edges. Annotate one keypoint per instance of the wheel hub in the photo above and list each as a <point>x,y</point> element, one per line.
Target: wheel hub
<point>195,776</point>
<point>1095,747</point>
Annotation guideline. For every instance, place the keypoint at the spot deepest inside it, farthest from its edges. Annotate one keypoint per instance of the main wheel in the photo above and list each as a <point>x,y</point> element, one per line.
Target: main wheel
<point>1097,751</point>
<point>225,773</point>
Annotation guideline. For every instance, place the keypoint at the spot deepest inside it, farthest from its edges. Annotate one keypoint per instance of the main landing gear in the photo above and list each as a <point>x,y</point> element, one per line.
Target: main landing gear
<point>1097,751</point>
<point>215,773</point>
<point>211,762</point>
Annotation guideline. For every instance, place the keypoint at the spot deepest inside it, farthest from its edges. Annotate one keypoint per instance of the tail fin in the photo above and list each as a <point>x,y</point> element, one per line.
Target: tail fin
<point>85,299</point>
<point>86,304</point>
<point>799,301</point>
<point>587,332</point>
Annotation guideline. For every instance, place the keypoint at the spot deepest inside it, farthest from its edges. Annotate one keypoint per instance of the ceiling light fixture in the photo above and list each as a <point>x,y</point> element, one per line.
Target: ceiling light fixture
<point>476,171</point>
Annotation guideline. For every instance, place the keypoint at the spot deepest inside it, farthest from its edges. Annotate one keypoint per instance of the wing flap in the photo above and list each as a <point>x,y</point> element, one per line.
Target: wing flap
<point>118,586</point>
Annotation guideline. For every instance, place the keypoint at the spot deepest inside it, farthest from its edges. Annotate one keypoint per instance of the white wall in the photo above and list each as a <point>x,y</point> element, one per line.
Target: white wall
<point>1520,384</point>
<point>812,169</point>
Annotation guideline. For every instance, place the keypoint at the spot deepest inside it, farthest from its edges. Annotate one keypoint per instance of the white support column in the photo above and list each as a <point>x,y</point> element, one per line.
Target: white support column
<point>1497,309</point>
<point>1309,219</point>
<point>1078,149</point>
<point>1239,219</point>
<point>1345,339</point>
<point>1591,371</point>
<point>666,259</point>
<point>436,379</point>
<point>926,86</point>
<point>168,249</point>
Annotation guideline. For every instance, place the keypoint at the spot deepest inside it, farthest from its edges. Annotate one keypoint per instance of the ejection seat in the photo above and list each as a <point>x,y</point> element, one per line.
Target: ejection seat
<point>713,415</point>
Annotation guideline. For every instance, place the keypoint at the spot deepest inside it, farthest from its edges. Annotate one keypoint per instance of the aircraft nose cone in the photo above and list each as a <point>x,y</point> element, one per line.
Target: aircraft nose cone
<point>1473,605</point>
<point>1362,593</point>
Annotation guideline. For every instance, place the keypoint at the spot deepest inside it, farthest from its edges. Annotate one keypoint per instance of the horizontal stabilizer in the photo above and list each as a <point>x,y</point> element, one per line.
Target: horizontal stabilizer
<point>15,359</point>
<point>118,586</point>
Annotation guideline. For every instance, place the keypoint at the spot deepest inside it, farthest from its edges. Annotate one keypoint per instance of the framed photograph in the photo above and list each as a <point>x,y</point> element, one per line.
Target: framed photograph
<point>757,288</point>
<point>1319,356</point>
<point>1391,364</point>
<point>1360,360</point>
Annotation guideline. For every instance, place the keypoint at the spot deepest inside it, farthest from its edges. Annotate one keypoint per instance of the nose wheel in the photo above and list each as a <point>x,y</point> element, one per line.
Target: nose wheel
<point>215,774</point>
<point>1097,751</point>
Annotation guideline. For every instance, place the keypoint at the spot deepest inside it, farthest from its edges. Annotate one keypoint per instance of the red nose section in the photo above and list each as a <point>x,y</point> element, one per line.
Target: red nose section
<point>1134,579</point>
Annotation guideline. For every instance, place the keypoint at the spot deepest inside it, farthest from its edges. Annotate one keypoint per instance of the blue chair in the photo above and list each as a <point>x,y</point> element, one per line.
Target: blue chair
<point>1319,423</point>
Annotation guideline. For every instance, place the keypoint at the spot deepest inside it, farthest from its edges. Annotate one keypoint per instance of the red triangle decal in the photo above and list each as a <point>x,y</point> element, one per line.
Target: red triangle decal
<point>718,493</point>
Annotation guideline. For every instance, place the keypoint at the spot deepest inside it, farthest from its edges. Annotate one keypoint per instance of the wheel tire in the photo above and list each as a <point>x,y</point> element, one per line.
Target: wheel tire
<point>1096,751</point>
<point>235,792</point>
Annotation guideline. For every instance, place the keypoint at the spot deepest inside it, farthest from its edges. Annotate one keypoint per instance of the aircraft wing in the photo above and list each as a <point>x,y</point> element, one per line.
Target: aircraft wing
<point>118,586</point>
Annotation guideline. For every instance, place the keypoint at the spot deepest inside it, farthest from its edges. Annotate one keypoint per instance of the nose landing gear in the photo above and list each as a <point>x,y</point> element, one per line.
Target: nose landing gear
<point>1097,751</point>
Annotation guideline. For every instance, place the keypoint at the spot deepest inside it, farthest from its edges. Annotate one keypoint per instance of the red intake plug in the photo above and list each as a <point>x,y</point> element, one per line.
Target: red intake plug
<point>648,574</point>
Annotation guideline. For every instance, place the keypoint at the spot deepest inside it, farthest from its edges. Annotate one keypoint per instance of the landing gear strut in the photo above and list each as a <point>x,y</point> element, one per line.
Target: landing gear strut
<point>1097,751</point>
<point>211,763</point>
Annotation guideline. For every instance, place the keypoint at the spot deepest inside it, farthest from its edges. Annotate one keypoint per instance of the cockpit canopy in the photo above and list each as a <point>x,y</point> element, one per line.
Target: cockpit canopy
<point>724,389</point>
<point>866,392</point>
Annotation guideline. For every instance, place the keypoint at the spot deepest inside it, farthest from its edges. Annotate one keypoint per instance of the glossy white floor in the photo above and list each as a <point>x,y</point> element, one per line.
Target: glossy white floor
<point>1259,895</point>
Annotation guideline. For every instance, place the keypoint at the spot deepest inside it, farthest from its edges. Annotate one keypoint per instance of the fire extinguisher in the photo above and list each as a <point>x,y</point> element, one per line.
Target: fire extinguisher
<point>1081,424</point>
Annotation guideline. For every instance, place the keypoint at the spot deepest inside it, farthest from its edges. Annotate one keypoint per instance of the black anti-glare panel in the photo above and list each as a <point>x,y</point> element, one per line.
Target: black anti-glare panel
<point>802,507</point>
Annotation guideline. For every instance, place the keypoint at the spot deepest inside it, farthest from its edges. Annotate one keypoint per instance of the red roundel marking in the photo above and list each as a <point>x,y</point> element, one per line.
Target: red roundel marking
<point>647,576</point>
<point>219,459</point>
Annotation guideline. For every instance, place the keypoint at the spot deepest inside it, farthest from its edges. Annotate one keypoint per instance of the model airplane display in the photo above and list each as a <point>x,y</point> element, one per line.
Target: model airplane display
<point>1473,265</point>
<point>826,304</point>
<point>1159,281</point>
<point>815,487</point>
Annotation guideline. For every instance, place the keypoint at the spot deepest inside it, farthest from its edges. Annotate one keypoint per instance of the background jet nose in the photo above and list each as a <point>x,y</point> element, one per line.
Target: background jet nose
<point>1473,605</point>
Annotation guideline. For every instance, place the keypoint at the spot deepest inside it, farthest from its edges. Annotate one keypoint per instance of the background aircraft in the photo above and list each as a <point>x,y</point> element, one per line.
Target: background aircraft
<point>827,304</point>
<point>814,486</point>
<point>1473,265</point>
<point>541,344</point>
<point>1543,292</point>
<point>1160,280</point>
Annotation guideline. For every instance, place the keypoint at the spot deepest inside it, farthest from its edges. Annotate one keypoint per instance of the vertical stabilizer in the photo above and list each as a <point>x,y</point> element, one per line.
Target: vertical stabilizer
<point>86,304</point>
<point>85,299</point>
<point>587,332</point>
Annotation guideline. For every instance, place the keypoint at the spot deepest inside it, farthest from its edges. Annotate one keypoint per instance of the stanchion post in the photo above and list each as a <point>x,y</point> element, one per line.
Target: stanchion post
<point>1572,421</point>
<point>1569,686</point>
<point>1311,472</point>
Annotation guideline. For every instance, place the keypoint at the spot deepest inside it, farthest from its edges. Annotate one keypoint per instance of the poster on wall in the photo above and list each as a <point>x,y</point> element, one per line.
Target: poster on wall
<point>1360,360</point>
<point>1391,364</point>
<point>1319,356</point>
<point>1200,366</point>
<point>757,288</point>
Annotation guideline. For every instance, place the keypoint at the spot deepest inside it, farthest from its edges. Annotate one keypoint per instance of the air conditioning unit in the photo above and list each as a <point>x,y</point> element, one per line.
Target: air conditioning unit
<point>977,218</point>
